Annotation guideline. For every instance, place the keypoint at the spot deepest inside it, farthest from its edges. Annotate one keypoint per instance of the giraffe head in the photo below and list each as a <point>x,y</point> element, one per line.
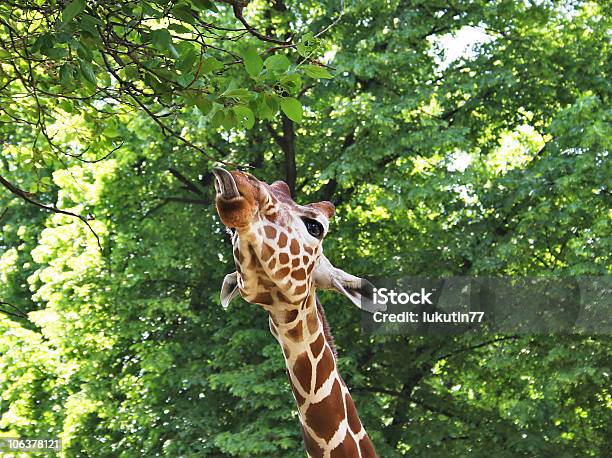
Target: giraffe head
<point>278,244</point>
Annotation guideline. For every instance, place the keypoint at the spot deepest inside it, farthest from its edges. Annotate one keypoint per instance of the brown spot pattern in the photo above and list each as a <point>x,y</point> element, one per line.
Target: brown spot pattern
<point>270,232</point>
<point>296,332</point>
<point>263,298</point>
<point>351,414</point>
<point>290,316</point>
<point>272,217</point>
<point>312,447</point>
<point>294,247</point>
<point>302,369</point>
<point>283,258</point>
<point>366,447</point>
<point>252,258</point>
<point>324,417</point>
<point>298,397</point>
<point>266,252</point>
<point>324,368</point>
<point>311,321</point>
<point>299,274</point>
<point>281,273</point>
<point>301,289</point>
<point>345,449</point>
<point>317,345</point>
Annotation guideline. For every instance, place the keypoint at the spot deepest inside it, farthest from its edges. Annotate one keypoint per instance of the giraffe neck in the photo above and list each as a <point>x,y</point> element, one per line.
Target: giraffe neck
<point>330,424</point>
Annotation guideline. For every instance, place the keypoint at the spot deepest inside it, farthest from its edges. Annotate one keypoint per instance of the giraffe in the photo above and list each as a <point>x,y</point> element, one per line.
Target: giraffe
<point>277,247</point>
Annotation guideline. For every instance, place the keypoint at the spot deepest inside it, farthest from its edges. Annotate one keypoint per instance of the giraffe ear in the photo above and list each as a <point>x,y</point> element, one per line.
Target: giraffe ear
<point>325,207</point>
<point>359,290</point>
<point>281,187</point>
<point>229,289</point>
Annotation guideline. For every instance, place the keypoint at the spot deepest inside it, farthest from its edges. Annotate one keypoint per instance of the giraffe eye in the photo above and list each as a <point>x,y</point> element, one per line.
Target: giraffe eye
<point>313,227</point>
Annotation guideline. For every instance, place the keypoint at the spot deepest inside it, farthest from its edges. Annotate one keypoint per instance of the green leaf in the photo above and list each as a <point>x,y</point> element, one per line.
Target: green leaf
<point>307,45</point>
<point>292,82</point>
<point>88,24</point>
<point>72,9</point>
<point>162,40</point>
<point>277,63</point>
<point>272,100</point>
<point>244,116</point>
<point>184,13</point>
<point>264,110</point>
<point>252,62</point>
<point>204,105</point>
<point>56,53</point>
<point>314,71</point>
<point>185,79</point>
<point>87,71</point>
<point>210,64</point>
<point>179,28</point>
<point>84,52</point>
<point>292,108</point>
<point>302,49</point>
<point>66,74</point>
<point>66,105</point>
<point>188,56</point>
<point>43,43</point>
<point>218,118</point>
<point>204,5</point>
<point>131,72</point>
<point>229,120</point>
<point>240,94</point>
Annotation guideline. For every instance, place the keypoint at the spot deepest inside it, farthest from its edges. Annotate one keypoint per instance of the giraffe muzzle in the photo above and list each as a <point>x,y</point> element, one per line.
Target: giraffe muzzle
<point>225,185</point>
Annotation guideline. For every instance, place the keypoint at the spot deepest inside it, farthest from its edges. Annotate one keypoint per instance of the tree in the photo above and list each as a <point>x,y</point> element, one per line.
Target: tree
<point>162,58</point>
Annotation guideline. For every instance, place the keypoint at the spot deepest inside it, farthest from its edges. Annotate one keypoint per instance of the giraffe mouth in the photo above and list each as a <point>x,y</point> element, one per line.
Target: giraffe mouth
<point>225,185</point>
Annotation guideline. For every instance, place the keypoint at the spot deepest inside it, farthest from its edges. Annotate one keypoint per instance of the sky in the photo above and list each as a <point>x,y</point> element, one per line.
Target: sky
<point>460,43</point>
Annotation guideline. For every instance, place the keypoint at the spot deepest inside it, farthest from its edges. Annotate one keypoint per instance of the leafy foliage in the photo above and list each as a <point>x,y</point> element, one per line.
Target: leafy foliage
<point>495,163</point>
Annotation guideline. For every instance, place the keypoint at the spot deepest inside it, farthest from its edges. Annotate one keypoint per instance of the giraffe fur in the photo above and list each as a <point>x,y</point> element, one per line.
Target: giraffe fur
<point>278,253</point>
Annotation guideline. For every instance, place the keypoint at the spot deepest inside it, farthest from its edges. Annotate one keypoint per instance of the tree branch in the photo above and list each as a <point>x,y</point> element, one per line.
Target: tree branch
<point>189,185</point>
<point>166,200</point>
<point>327,190</point>
<point>4,212</point>
<point>18,314</point>
<point>290,167</point>
<point>238,7</point>
<point>286,142</point>
<point>28,198</point>
<point>131,90</point>
<point>480,345</point>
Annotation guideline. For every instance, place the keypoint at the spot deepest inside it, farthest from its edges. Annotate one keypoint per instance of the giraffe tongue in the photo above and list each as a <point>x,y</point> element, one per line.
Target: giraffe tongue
<point>225,184</point>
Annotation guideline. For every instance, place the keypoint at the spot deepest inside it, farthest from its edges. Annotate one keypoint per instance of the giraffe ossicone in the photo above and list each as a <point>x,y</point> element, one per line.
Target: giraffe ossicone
<point>277,247</point>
